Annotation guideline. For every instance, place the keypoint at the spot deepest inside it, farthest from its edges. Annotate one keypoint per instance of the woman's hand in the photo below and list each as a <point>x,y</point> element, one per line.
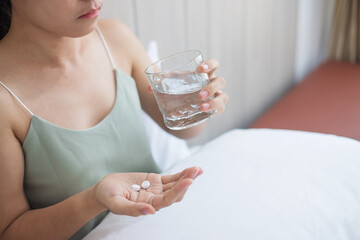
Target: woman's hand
<point>212,95</point>
<point>114,192</point>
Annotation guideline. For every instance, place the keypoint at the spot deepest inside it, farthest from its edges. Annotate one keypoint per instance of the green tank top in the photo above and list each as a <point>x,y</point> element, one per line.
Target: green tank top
<point>61,162</point>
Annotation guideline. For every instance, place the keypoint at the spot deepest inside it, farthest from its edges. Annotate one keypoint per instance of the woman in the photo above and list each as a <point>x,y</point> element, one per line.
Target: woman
<point>68,128</point>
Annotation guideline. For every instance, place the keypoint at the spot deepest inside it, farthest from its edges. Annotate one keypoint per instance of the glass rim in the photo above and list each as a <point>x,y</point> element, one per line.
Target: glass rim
<point>170,56</point>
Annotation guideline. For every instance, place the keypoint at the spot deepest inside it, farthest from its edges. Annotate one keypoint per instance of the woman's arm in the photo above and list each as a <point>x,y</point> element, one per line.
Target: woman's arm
<point>17,221</point>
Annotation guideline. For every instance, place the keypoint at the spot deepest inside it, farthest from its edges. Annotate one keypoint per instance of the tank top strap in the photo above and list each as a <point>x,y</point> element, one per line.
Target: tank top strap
<point>16,98</point>
<point>107,48</point>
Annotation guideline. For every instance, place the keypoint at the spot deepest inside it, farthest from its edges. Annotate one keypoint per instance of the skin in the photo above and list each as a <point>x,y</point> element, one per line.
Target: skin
<point>55,52</point>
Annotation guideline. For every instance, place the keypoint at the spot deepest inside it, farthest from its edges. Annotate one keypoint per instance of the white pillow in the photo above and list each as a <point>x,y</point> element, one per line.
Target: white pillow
<point>166,149</point>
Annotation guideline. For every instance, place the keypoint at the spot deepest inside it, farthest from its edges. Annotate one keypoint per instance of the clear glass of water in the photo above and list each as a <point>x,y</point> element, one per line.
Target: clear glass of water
<point>176,82</point>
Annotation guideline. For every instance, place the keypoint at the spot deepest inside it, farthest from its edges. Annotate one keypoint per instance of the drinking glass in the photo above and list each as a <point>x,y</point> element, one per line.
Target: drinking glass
<point>176,82</point>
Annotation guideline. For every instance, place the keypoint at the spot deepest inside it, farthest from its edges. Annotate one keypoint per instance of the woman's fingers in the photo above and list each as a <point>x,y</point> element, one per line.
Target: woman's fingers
<point>213,87</point>
<point>218,103</point>
<point>170,196</point>
<point>191,175</point>
<point>188,172</point>
<point>168,186</point>
<point>122,206</point>
<point>209,67</point>
<point>171,178</point>
<point>181,196</point>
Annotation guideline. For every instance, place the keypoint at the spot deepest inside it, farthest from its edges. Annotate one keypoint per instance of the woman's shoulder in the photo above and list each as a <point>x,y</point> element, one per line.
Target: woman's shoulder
<point>14,119</point>
<point>6,104</point>
<point>116,32</point>
<point>122,41</point>
<point>111,25</point>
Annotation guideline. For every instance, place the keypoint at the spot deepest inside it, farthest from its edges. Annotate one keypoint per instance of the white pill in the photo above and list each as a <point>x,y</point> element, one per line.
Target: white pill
<point>145,184</point>
<point>135,187</point>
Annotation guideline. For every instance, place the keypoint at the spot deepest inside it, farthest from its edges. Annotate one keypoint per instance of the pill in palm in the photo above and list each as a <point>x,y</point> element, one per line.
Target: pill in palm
<point>145,184</point>
<point>135,187</point>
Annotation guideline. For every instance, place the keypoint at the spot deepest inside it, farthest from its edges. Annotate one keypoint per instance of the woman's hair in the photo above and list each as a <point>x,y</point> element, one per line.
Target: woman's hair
<point>5,17</point>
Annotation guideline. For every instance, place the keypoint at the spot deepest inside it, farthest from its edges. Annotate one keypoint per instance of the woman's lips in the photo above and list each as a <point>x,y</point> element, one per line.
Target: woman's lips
<point>91,14</point>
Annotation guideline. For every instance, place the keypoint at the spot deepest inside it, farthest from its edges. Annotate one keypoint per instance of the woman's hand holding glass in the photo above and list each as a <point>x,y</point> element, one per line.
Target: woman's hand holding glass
<point>114,192</point>
<point>212,94</point>
<point>213,89</point>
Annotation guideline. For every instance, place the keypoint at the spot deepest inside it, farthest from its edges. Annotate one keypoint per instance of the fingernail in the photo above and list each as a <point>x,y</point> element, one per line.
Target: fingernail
<point>205,66</point>
<point>149,89</point>
<point>145,211</point>
<point>206,106</point>
<point>204,94</point>
<point>194,175</point>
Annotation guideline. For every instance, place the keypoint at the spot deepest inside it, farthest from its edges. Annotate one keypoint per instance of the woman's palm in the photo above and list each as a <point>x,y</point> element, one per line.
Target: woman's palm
<point>115,191</point>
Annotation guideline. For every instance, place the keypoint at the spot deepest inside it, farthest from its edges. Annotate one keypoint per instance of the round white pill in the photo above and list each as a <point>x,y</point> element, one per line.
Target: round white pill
<point>135,187</point>
<point>145,184</point>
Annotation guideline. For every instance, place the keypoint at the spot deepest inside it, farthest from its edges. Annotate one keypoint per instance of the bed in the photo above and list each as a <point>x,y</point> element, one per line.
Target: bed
<point>259,184</point>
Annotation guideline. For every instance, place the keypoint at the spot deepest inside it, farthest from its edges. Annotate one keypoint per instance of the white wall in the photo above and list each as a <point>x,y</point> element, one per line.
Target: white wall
<point>313,34</point>
<point>256,41</point>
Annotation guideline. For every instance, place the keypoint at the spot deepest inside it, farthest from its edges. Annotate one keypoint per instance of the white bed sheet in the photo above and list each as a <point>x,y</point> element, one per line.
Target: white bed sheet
<point>259,184</point>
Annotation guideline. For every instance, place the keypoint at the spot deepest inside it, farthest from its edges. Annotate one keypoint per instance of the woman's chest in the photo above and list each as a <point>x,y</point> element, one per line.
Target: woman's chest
<point>74,102</point>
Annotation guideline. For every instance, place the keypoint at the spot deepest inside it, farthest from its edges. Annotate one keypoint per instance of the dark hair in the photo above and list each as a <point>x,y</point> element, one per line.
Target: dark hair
<point>5,17</point>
